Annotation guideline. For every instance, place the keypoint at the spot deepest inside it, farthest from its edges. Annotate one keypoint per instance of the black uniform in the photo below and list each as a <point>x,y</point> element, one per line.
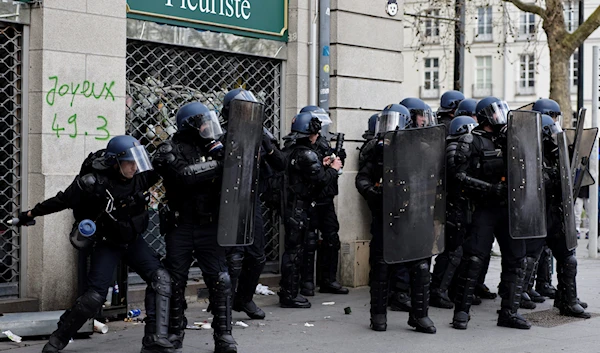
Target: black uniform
<point>368,184</point>
<point>306,179</point>
<point>566,296</point>
<point>117,237</point>
<point>192,177</point>
<point>481,168</point>
<point>324,219</point>
<point>247,262</point>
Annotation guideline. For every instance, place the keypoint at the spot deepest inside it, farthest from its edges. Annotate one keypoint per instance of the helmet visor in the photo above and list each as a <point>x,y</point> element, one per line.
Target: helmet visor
<point>497,113</point>
<point>557,117</point>
<point>391,121</point>
<point>245,96</point>
<point>325,122</point>
<point>207,124</point>
<point>133,161</point>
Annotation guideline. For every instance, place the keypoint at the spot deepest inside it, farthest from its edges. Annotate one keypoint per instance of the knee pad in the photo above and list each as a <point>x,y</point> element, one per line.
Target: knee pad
<point>570,261</point>
<point>90,302</point>
<point>222,282</point>
<point>234,262</point>
<point>161,282</point>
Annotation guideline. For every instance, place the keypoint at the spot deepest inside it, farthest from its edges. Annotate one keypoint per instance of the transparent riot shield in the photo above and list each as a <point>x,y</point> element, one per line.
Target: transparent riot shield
<point>240,173</point>
<point>414,194</point>
<point>526,195</point>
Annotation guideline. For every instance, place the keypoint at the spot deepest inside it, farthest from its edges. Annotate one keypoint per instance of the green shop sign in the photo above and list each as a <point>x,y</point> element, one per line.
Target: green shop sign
<point>254,18</point>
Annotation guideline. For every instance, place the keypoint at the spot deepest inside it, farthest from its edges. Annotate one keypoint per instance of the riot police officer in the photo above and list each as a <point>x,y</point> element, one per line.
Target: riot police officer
<point>368,183</point>
<point>449,102</point>
<point>246,263</point>
<point>466,108</point>
<point>307,175</point>
<point>566,296</point>
<point>420,113</point>
<point>191,164</point>
<point>399,293</point>
<point>481,168</point>
<point>324,219</point>
<point>458,217</point>
<point>112,190</point>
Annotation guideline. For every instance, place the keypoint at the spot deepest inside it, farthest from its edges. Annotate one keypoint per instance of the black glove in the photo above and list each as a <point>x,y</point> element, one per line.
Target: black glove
<point>267,144</point>
<point>499,189</point>
<point>24,219</point>
<point>314,126</point>
<point>375,194</point>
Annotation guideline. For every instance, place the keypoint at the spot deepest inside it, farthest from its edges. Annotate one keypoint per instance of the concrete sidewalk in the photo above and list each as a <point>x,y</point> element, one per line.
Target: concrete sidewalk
<point>284,330</point>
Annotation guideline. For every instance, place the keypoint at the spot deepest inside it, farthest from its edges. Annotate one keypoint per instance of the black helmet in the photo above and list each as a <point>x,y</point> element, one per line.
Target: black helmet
<point>548,107</point>
<point>393,117</point>
<point>125,148</point>
<point>420,115</point>
<point>549,127</point>
<point>466,108</point>
<point>370,131</point>
<point>462,125</point>
<point>449,101</point>
<point>235,94</point>
<point>321,114</point>
<point>305,124</point>
<point>492,111</point>
<point>196,116</point>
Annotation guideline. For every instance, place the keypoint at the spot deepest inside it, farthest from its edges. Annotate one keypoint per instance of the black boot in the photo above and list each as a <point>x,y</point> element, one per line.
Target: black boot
<point>512,280</point>
<point>71,321</point>
<point>566,300</point>
<point>468,273</point>
<point>379,283</point>
<point>440,286</point>
<point>543,283</point>
<point>220,294</point>
<point>484,292</point>
<point>177,319</point>
<point>290,277</point>
<point>329,255</point>
<point>533,294</point>
<point>156,330</point>
<point>247,286</point>
<point>420,279</point>
<point>399,300</point>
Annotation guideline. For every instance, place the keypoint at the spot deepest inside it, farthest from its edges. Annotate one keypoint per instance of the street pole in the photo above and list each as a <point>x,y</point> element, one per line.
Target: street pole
<point>459,44</point>
<point>593,204</point>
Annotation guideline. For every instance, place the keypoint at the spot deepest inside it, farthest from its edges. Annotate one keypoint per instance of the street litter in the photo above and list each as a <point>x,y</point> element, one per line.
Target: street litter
<point>192,327</point>
<point>263,290</point>
<point>347,310</point>
<point>100,327</point>
<point>308,325</point>
<point>241,323</point>
<point>11,336</point>
<point>329,303</point>
<point>327,317</point>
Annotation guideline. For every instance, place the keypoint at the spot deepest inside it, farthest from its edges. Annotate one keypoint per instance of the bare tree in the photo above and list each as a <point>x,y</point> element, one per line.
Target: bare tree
<point>561,45</point>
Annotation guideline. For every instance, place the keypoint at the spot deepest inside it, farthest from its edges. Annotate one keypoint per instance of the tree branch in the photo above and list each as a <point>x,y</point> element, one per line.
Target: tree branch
<point>575,39</point>
<point>532,8</point>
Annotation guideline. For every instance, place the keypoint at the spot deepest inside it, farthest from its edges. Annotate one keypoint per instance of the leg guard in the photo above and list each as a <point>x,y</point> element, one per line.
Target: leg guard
<point>420,279</point>
<point>481,290</point>
<point>220,293</point>
<point>469,271</point>
<point>566,298</point>
<point>526,302</point>
<point>177,320</point>
<point>157,328</point>
<point>439,294</point>
<point>329,264</point>
<point>71,321</point>
<point>249,277</point>
<point>235,261</point>
<point>379,283</point>
<point>512,279</point>
<point>544,275</point>
<point>308,264</point>
<point>290,278</point>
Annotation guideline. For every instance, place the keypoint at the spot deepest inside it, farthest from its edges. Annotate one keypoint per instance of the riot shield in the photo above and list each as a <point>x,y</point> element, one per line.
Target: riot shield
<point>566,186</point>
<point>574,147</point>
<point>414,205</point>
<point>526,195</point>
<point>581,157</point>
<point>240,173</point>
